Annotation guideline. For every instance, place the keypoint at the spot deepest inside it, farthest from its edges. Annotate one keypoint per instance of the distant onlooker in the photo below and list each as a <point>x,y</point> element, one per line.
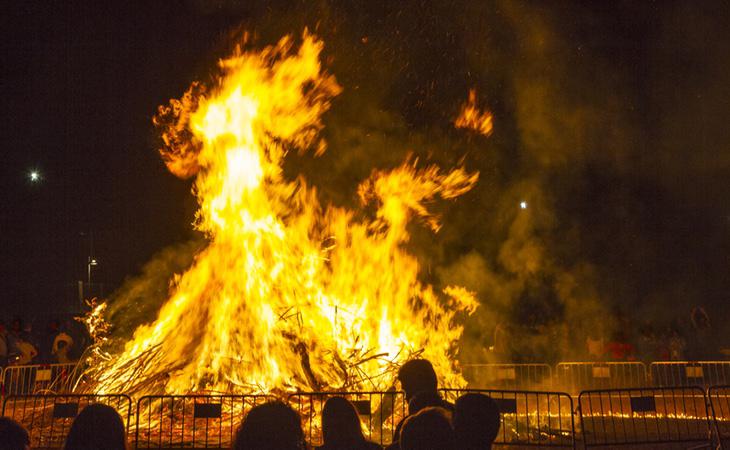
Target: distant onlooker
<point>20,347</point>
<point>420,384</point>
<point>271,426</point>
<point>341,428</point>
<point>61,347</point>
<point>12,435</point>
<point>97,427</point>
<point>619,349</point>
<point>476,421</point>
<point>430,429</point>
<point>4,348</point>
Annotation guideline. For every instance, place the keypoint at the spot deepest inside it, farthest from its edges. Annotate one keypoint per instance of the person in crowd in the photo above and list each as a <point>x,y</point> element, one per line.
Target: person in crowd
<point>476,421</point>
<point>45,349</point>
<point>26,352</point>
<point>420,384</point>
<point>429,429</point>
<point>595,346</point>
<point>417,376</point>
<point>341,429</point>
<point>62,346</point>
<point>4,348</point>
<point>12,435</point>
<point>620,349</point>
<point>97,427</point>
<point>676,345</point>
<point>270,426</point>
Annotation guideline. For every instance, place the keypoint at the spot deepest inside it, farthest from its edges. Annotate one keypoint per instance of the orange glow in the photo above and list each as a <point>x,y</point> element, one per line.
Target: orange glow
<point>289,294</point>
<point>471,117</point>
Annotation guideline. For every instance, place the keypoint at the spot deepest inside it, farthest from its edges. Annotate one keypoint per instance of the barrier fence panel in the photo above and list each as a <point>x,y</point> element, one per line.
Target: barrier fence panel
<point>719,397</point>
<point>529,418</point>
<point>670,417</point>
<point>509,376</point>
<point>48,418</point>
<point>38,379</point>
<point>380,412</point>
<point>191,421</point>
<point>575,377</point>
<point>690,373</point>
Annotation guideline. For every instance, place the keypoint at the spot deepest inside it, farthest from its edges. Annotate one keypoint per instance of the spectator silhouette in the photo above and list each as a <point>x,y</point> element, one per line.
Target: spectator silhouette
<point>418,381</point>
<point>12,435</point>
<point>270,426</point>
<point>429,429</point>
<point>97,427</point>
<point>476,421</point>
<point>341,428</point>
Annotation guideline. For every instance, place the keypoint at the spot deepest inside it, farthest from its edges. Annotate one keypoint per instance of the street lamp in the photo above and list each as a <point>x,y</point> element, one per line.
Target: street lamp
<point>92,262</point>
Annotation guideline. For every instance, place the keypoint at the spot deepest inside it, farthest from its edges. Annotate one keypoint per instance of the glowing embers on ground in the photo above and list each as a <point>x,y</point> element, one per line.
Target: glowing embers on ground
<point>289,294</point>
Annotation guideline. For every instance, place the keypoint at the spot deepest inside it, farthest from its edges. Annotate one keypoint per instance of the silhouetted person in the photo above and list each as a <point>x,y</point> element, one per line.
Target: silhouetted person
<point>418,381</point>
<point>341,428</point>
<point>475,421</point>
<point>271,426</point>
<point>12,435</point>
<point>417,375</point>
<point>430,429</point>
<point>97,427</point>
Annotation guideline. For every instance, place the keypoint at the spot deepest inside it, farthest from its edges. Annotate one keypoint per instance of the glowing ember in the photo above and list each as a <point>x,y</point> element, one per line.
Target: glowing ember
<point>289,294</point>
<point>471,117</point>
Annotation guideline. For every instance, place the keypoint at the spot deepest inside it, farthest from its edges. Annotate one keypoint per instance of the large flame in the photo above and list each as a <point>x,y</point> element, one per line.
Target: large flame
<point>288,294</point>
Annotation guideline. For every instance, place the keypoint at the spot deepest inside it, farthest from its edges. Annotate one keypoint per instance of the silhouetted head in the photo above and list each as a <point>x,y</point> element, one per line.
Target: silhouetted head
<point>476,421</point>
<point>417,375</point>
<point>97,427</point>
<point>271,426</point>
<point>12,435</point>
<point>340,422</point>
<point>430,429</point>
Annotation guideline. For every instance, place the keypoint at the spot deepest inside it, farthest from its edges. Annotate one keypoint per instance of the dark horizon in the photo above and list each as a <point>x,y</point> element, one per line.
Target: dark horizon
<point>609,118</point>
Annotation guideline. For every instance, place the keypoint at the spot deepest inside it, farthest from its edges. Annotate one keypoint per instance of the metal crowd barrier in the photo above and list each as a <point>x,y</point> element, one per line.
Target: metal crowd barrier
<point>575,377</point>
<point>529,418</point>
<point>690,373</point>
<point>719,397</point>
<point>48,418</point>
<point>191,421</point>
<point>39,378</point>
<point>669,417</point>
<point>380,412</point>
<point>509,376</point>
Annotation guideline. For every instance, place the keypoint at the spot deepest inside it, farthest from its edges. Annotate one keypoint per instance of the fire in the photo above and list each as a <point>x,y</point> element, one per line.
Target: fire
<point>289,294</point>
<point>471,117</point>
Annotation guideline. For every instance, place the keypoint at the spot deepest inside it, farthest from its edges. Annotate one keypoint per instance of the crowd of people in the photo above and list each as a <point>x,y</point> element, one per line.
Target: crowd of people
<point>59,342</point>
<point>471,423</point>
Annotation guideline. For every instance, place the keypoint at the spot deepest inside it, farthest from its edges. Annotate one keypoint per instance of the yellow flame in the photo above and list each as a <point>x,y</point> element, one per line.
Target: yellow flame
<point>288,295</point>
<point>471,117</point>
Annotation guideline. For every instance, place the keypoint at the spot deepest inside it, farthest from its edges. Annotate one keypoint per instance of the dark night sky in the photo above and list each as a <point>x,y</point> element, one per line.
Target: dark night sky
<point>616,111</point>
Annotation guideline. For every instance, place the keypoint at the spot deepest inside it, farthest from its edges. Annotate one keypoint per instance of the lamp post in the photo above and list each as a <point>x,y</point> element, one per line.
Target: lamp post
<point>92,262</point>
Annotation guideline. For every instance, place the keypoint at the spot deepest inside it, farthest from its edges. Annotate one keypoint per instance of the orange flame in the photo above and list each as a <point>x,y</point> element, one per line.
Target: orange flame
<point>471,117</point>
<point>289,294</point>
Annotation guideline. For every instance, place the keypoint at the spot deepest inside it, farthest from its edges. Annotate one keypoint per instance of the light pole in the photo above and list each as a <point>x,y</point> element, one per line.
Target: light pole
<point>92,262</point>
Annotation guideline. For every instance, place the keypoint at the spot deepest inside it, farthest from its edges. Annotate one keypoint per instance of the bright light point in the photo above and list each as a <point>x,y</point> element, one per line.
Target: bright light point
<point>523,205</point>
<point>34,176</point>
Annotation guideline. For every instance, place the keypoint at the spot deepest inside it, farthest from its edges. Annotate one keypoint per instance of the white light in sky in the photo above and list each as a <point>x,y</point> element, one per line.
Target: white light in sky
<point>523,205</point>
